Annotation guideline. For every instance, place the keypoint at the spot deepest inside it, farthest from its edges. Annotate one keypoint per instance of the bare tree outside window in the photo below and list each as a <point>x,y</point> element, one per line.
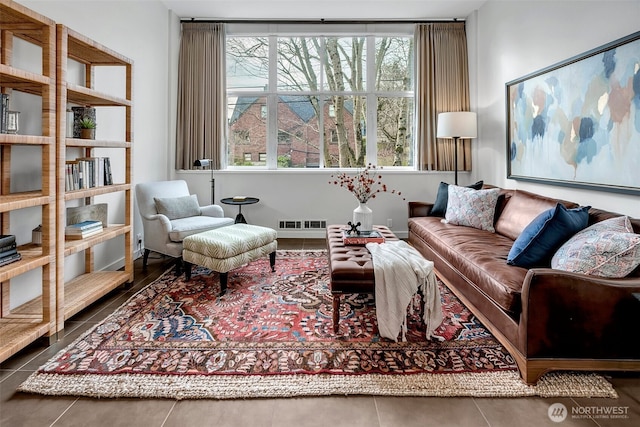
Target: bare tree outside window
<point>322,100</point>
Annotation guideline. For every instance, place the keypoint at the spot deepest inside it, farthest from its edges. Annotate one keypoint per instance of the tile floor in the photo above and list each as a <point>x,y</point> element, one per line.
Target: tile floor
<point>20,409</point>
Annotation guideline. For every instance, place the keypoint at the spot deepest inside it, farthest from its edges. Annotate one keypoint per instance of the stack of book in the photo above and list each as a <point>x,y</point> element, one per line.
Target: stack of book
<point>82,229</point>
<point>87,172</point>
<point>8,249</point>
<point>361,239</point>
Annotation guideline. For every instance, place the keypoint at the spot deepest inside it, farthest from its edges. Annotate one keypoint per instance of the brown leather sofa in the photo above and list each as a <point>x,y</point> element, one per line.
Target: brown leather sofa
<point>547,319</point>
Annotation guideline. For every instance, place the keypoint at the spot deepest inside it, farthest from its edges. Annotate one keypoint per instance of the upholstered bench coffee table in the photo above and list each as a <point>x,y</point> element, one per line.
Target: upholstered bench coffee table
<point>350,267</point>
<point>227,248</point>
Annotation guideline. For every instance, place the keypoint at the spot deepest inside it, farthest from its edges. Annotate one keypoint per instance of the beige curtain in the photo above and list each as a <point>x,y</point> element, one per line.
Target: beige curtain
<point>442,86</point>
<point>200,127</point>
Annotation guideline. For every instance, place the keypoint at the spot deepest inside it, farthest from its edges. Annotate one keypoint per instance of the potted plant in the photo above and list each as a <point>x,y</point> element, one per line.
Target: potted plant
<point>87,128</point>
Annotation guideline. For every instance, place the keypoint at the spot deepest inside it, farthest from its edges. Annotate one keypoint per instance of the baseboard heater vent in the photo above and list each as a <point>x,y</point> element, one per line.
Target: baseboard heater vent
<point>316,224</point>
<point>307,224</point>
<point>290,225</point>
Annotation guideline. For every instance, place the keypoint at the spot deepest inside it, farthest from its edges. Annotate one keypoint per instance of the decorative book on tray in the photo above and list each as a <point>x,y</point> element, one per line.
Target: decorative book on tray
<point>361,239</point>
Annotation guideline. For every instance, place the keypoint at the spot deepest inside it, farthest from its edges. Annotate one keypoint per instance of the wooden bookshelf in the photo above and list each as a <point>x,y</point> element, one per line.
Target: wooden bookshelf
<point>45,315</point>
<point>85,289</point>
<point>20,326</point>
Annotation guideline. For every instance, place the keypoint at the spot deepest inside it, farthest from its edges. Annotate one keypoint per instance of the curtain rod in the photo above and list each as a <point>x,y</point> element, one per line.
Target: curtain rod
<point>318,21</point>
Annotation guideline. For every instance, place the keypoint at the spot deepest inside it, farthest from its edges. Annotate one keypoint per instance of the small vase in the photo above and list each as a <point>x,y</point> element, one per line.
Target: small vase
<point>363,215</point>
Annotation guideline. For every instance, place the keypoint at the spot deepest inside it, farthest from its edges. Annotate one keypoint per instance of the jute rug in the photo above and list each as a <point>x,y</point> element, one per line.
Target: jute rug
<point>271,335</point>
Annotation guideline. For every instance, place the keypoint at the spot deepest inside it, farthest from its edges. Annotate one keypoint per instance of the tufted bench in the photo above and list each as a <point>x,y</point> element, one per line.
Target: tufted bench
<point>350,267</point>
<point>226,248</point>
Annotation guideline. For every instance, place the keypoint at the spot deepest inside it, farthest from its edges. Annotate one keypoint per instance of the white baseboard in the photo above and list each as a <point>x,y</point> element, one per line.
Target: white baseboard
<point>114,266</point>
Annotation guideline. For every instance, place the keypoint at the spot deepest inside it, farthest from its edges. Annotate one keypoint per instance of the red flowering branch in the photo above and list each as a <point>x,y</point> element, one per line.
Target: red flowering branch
<point>364,185</point>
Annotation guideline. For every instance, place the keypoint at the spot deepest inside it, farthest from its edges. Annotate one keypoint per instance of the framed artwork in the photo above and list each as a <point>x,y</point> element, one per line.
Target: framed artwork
<point>577,123</point>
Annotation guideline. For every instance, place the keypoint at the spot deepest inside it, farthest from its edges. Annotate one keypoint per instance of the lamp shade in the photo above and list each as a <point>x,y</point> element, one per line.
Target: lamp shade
<point>459,124</point>
<point>202,162</point>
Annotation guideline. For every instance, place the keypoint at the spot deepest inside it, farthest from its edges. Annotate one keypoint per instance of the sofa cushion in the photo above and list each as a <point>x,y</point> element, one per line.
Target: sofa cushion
<point>440,205</point>
<point>521,209</point>
<point>466,250</point>
<point>178,207</point>
<point>472,208</point>
<point>545,234</point>
<point>606,249</point>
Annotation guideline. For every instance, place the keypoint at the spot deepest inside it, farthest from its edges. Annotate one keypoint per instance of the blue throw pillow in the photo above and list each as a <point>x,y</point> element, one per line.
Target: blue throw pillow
<point>442,198</point>
<point>545,234</point>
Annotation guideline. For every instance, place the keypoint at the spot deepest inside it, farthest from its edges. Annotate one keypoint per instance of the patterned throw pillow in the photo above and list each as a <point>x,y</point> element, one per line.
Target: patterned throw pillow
<point>472,208</point>
<point>607,249</point>
<point>439,207</point>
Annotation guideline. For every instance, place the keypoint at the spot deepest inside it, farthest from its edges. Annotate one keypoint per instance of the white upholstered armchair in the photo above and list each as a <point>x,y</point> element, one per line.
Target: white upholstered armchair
<point>169,214</point>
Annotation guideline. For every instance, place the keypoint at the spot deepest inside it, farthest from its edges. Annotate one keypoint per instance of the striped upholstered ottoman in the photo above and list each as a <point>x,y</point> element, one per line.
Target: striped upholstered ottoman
<point>226,248</point>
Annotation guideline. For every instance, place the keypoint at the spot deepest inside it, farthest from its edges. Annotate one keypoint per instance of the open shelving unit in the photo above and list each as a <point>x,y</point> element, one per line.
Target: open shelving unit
<point>81,291</point>
<point>34,319</point>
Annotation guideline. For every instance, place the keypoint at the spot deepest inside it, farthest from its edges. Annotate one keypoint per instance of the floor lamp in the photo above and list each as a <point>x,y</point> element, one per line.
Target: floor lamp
<point>456,125</point>
<point>204,163</point>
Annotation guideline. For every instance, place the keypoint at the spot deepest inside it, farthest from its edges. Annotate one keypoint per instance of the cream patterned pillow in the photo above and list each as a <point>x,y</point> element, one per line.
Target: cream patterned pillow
<point>607,249</point>
<point>472,208</point>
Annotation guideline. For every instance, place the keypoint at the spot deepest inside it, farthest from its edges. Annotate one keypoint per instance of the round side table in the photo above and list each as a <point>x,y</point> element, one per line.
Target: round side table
<point>240,203</point>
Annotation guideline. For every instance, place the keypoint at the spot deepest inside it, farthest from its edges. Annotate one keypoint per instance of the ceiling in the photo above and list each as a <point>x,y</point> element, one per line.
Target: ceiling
<point>323,9</point>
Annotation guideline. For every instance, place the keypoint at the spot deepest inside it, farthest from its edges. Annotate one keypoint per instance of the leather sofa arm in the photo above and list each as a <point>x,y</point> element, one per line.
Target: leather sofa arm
<point>419,209</point>
<point>569,315</point>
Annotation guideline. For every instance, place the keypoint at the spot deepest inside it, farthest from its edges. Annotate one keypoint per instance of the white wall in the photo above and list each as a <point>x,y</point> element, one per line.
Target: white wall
<point>518,38</point>
<point>301,195</point>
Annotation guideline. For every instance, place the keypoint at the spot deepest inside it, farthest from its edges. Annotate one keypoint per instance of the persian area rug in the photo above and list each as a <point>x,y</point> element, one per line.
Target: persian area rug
<point>271,335</point>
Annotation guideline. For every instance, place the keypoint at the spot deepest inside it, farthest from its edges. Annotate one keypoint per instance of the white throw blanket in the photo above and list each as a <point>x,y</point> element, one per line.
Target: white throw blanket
<point>400,271</point>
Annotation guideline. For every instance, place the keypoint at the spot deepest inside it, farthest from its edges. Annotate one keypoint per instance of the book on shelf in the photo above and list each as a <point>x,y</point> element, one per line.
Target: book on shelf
<point>83,234</point>
<point>108,180</point>
<point>8,248</point>
<point>9,259</point>
<point>83,226</point>
<point>362,239</point>
<point>4,112</point>
<point>8,253</point>
<point>87,172</point>
<point>7,239</point>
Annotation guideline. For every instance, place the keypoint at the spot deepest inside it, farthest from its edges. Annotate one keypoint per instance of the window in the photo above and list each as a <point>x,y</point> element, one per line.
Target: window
<point>309,99</point>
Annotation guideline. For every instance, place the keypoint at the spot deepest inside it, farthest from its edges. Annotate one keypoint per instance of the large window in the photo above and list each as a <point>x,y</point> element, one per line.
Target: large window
<point>320,100</point>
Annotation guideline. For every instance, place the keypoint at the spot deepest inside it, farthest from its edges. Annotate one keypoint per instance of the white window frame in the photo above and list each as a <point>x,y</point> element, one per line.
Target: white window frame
<point>275,30</point>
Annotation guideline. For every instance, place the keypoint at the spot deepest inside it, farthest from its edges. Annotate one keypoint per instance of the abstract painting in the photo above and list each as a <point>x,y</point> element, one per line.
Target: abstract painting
<point>577,123</point>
